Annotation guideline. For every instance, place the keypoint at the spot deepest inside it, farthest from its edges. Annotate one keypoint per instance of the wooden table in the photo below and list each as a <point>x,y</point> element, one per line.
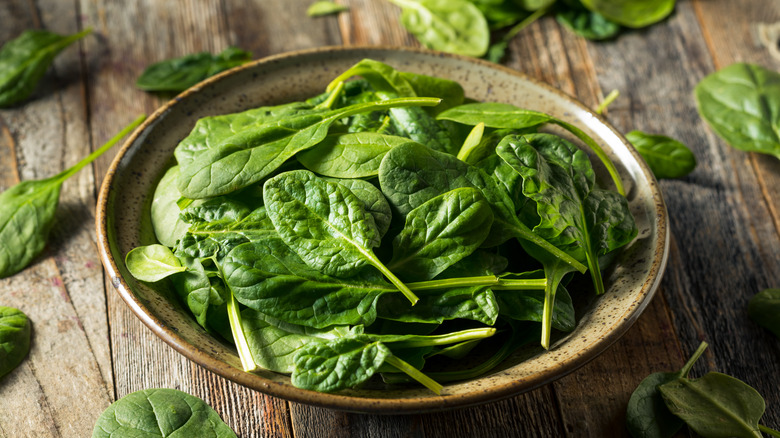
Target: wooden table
<point>89,349</point>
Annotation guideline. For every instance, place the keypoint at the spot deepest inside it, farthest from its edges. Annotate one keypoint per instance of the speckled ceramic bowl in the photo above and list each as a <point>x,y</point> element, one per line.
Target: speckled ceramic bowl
<point>122,223</point>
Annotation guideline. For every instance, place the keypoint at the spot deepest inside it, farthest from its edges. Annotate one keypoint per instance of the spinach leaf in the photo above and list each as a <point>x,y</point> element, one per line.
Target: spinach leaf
<point>411,174</point>
<point>585,23</point>
<point>632,13</point>
<point>252,154</point>
<point>764,309</point>
<point>575,215</point>
<point>326,225</point>
<point>505,116</point>
<point>528,305</point>
<point>266,275</point>
<point>203,292</point>
<point>353,155</point>
<point>441,232</point>
<point>373,200</point>
<point>27,212</point>
<point>646,414</point>
<point>24,60</point>
<point>14,338</point>
<point>160,413</point>
<point>455,26</point>
<point>323,7</point>
<point>716,405</point>
<point>168,227</point>
<point>178,74</point>
<point>742,105</point>
<point>477,303</point>
<point>152,263</point>
<point>667,157</point>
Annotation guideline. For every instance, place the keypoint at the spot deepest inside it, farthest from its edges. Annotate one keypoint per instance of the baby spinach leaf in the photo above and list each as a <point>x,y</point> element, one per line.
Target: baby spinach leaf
<point>476,303</point>
<point>646,414</point>
<point>440,232</point>
<point>252,154</point>
<point>339,364</point>
<point>353,155</point>
<point>323,7</point>
<point>585,23</point>
<point>160,413</point>
<point>14,338</point>
<point>152,263</point>
<point>715,405</point>
<point>764,309</point>
<point>411,174</point>
<point>742,105</point>
<point>204,294</point>
<point>24,60</point>
<point>454,26</point>
<point>667,157</point>
<point>326,225</point>
<point>632,13</point>
<point>373,199</point>
<point>575,215</point>
<point>168,227</point>
<point>27,212</point>
<point>266,275</point>
<point>178,74</point>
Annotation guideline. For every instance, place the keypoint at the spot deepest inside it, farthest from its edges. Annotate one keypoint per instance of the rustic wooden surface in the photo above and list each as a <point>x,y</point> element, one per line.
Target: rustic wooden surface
<point>89,349</point>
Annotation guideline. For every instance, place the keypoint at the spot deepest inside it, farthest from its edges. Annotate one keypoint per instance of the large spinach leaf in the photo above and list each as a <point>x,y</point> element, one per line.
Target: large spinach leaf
<point>742,104</point>
<point>178,74</point>
<point>27,212</point>
<point>326,224</point>
<point>455,26</point>
<point>353,155</point>
<point>374,201</point>
<point>24,60</point>
<point>254,153</point>
<point>14,338</point>
<point>162,412</point>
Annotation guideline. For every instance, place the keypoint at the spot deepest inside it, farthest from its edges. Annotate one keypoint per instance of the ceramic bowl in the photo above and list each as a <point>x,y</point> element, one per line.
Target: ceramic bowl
<point>122,223</point>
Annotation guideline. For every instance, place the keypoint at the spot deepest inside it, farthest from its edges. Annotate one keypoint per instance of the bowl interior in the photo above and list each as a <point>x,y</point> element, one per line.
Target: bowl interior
<point>123,223</point>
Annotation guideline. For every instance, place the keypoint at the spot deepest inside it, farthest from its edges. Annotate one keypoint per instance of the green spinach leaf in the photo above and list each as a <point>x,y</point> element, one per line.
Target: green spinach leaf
<point>353,155</point>
<point>764,309</point>
<point>742,104</point>
<point>455,26</point>
<point>632,13</point>
<point>14,338</point>
<point>24,60</point>
<point>585,23</point>
<point>323,7</point>
<point>477,303</point>
<point>374,201</point>
<point>168,226</point>
<point>152,263</point>
<point>160,413</point>
<point>27,212</point>
<point>667,157</point>
<point>178,74</point>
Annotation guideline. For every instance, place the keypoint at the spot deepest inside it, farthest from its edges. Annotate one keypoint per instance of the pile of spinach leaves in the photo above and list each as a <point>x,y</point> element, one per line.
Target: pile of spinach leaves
<point>466,26</point>
<point>382,227</point>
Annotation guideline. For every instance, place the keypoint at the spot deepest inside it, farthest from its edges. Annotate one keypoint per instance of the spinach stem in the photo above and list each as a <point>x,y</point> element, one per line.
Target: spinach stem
<point>494,282</point>
<point>395,280</point>
<point>607,101</point>
<point>234,316</point>
<point>525,233</point>
<point>686,369</point>
<point>62,176</point>
<point>768,431</point>
<point>527,21</point>
<point>447,338</point>
<point>335,94</point>
<point>415,374</point>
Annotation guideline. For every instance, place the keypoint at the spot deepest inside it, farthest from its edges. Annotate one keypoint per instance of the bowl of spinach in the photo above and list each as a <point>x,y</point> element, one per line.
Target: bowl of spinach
<point>382,230</point>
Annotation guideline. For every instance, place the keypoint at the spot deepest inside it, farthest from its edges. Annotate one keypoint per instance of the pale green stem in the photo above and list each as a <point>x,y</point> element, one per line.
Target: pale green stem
<point>517,28</point>
<point>395,280</point>
<point>607,101</point>
<point>686,369</point>
<point>446,339</point>
<point>234,316</point>
<point>98,152</point>
<point>768,431</point>
<point>471,142</point>
<point>494,282</point>
<point>415,374</point>
<point>335,94</point>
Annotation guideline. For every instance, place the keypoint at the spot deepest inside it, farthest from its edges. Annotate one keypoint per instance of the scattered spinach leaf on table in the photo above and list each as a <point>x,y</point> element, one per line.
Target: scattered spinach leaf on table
<point>764,309</point>
<point>632,13</point>
<point>584,22</point>
<point>324,7</point>
<point>667,157</point>
<point>178,74</point>
<point>160,413</point>
<point>14,338</point>
<point>24,60</point>
<point>27,212</point>
<point>741,103</point>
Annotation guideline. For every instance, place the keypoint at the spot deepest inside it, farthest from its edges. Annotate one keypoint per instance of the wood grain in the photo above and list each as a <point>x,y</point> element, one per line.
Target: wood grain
<point>89,349</point>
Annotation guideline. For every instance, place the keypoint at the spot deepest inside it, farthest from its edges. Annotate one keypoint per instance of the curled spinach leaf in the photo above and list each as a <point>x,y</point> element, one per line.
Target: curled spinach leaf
<point>178,74</point>
<point>152,263</point>
<point>160,413</point>
<point>667,157</point>
<point>764,309</point>
<point>27,212</point>
<point>14,338</point>
<point>24,60</point>
<point>742,104</point>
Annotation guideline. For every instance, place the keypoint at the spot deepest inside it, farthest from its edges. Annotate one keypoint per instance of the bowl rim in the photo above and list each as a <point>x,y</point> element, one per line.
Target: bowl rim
<point>368,404</point>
